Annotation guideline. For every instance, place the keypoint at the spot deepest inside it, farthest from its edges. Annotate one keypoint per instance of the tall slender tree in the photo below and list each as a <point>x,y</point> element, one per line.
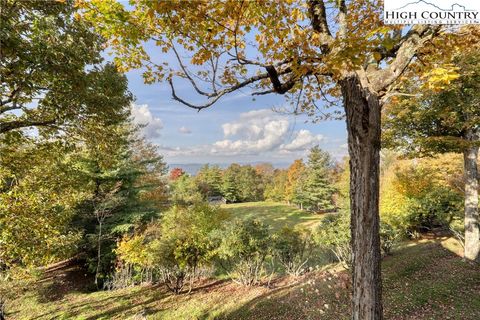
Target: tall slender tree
<point>294,184</point>
<point>429,122</point>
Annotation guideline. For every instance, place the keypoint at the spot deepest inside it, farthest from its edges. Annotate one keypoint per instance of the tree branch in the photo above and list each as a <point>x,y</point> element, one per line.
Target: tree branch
<point>415,38</point>
<point>14,106</point>
<point>215,97</point>
<point>187,75</point>
<point>318,21</point>
<point>342,19</point>
<point>17,124</point>
<point>279,87</point>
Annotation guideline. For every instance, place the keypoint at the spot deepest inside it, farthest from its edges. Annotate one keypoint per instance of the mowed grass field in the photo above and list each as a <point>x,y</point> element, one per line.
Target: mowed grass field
<point>275,214</point>
<point>422,280</point>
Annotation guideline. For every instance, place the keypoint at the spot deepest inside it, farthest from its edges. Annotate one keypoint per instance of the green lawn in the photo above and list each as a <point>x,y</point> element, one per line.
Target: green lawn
<point>274,214</point>
<point>422,280</point>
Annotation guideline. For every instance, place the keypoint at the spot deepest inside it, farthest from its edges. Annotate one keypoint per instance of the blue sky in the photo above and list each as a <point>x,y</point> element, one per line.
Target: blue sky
<point>235,129</point>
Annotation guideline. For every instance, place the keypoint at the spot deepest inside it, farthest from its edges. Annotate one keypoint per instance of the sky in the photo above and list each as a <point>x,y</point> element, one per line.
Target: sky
<point>236,129</point>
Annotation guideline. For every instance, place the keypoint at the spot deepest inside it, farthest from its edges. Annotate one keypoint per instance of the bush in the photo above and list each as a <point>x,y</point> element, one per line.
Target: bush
<point>333,233</point>
<point>419,198</point>
<point>293,248</point>
<point>244,246</point>
<point>176,251</point>
<point>135,260</point>
<point>388,238</point>
<point>435,208</point>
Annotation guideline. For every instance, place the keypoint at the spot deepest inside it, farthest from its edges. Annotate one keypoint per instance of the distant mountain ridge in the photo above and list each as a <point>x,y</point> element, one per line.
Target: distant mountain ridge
<point>193,168</point>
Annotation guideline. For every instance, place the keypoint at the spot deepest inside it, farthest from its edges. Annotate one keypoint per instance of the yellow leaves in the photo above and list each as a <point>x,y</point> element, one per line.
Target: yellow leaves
<point>439,77</point>
<point>201,56</point>
<point>297,14</point>
<point>133,250</point>
<point>383,30</point>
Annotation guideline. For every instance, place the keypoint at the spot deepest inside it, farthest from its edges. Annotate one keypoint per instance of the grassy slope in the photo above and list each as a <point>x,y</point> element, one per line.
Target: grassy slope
<point>274,214</point>
<point>422,280</point>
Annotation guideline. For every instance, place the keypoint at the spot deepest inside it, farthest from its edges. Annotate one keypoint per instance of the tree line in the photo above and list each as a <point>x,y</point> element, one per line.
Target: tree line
<point>309,185</point>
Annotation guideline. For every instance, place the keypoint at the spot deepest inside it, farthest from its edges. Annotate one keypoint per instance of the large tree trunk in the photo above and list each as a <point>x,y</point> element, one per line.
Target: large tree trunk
<point>363,126</point>
<point>472,232</point>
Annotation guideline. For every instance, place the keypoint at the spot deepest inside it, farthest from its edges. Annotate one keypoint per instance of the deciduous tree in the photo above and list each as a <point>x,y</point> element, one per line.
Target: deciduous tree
<point>432,121</point>
<point>51,72</point>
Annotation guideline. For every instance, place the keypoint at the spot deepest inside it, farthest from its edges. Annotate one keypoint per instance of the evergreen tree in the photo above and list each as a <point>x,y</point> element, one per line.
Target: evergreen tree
<point>120,176</point>
<point>230,187</point>
<point>318,191</point>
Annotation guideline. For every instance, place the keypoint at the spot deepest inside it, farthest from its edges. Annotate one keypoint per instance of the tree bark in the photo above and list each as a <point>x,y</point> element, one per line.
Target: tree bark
<point>99,252</point>
<point>472,232</point>
<point>363,125</point>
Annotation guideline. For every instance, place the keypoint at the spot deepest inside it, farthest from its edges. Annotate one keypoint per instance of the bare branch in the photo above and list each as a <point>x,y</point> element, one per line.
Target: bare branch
<point>215,97</point>
<point>261,93</point>
<point>14,106</point>
<point>187,75</point>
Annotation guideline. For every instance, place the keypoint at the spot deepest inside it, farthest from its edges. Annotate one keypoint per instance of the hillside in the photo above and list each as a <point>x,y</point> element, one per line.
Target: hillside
<point>422,280</point>
<point>274,214</point>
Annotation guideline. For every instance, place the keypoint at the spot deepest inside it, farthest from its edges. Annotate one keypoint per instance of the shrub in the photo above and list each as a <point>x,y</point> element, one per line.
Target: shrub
<point>244,246</point>
<point>388,237</point>
<point>176,250</point>
<point>135,261</point>
<point>186,242</point>
<point>419,198</point>
<point>293,248</point>
<point>437,207</point>
<point>333,233</point>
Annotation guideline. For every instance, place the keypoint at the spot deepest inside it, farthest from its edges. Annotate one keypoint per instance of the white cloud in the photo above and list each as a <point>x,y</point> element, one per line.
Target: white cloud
<point>259,132</point>
<point>303,139</point>
<point>254,132</point>
<point>184,130</point>
<point>142,116</point>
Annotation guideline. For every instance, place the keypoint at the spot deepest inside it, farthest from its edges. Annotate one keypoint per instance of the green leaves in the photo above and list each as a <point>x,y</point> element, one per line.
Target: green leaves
<point>427,120</point>
<point>51,73</point>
